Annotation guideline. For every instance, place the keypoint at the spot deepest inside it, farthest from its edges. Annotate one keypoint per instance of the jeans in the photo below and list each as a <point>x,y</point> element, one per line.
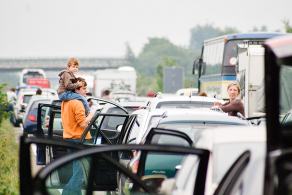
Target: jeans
<point>69,95</point>
<point>75,184</point>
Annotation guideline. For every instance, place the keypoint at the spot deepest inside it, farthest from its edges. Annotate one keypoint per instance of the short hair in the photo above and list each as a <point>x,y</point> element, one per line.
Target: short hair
<point>106,92</point>
<point>72,61</point>
<point>203,94</point>
<point>234,84</point>
<point>38,91</point>
<point>82,80</point>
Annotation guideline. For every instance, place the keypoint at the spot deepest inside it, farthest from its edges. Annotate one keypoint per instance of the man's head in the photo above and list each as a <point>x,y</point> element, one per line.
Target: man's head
<point>38,91</point>
<point>73,65</point>
<point>82,90</point>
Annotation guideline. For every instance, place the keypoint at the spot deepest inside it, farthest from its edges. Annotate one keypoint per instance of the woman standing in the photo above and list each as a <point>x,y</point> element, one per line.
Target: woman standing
<point>234,105</point>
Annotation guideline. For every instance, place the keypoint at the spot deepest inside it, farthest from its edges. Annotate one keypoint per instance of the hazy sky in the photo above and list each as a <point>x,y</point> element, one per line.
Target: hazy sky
<point>100,28</point>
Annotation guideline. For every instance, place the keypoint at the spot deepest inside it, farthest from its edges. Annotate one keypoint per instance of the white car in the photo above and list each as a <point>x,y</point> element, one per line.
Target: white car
<point>23,97</point>
<point>187,120</point>
<point>173,101</point>
<point>225,145</point>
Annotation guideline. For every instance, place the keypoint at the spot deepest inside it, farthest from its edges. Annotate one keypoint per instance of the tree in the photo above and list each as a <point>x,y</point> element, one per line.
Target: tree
<point>200,33</point>
<point>158,51</point>
<point>263,28</point>
<point>288,27</point>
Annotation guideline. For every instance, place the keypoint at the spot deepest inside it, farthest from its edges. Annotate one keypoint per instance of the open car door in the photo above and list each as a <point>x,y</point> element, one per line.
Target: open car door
<point>278,94</point>
<point>78,172</point>
<point>49,121</point>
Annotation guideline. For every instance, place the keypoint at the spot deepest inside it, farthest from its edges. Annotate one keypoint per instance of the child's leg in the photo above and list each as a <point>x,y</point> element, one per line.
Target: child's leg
<point>69,95</point>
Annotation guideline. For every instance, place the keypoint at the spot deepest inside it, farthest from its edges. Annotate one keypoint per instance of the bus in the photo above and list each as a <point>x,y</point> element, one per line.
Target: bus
<point>218,64</point>
<point>27,74</point>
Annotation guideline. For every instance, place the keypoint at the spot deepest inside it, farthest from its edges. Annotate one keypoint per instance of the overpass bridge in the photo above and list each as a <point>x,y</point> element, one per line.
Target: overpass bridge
<point>86,64</point>
<point>11,67</point>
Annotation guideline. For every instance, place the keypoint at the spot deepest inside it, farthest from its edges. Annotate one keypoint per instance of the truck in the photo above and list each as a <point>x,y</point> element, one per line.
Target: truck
<point>251,78</point>
<point>122,79</point>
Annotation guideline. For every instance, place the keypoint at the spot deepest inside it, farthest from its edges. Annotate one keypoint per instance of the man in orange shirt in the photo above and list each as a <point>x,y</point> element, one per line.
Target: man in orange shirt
<point>73,115</point>
<point>74,122</point>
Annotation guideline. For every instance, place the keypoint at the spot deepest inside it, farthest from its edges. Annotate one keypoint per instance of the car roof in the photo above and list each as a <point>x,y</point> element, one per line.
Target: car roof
<point>176,98</point>
<point>231,134</point>
<point>200,114</point>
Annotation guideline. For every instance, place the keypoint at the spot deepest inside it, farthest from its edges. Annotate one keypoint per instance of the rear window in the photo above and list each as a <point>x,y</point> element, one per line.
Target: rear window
<point>36,103</point>
<point>180,104</point>
<point>193,129</point>
<point>26,98</point>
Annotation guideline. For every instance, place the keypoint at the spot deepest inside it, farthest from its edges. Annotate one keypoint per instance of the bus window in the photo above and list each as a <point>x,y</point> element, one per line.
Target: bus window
<point>213,56</point>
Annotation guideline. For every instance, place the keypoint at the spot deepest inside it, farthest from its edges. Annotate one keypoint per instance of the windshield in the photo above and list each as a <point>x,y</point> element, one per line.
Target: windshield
<point>184,104</point>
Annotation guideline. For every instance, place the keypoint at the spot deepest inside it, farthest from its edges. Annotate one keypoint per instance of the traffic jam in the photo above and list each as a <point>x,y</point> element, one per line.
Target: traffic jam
<point>203,142</point>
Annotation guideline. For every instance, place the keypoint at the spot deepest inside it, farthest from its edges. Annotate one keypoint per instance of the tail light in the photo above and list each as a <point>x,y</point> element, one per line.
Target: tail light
<point>32,118</point>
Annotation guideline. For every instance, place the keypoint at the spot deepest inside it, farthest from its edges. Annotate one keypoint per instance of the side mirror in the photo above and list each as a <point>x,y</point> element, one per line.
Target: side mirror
<point>196,65</point>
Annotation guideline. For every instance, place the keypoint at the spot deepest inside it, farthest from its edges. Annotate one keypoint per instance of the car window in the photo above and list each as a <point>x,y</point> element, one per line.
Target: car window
<point>134,131</point>
<point>26,98</point>
<point>36,103</point>
<point>169,139</point>
<point>192,129</point>
<point>285,90</point>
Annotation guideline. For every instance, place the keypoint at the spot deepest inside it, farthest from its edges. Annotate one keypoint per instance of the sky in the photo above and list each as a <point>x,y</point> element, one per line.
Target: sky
<point>101,28</point>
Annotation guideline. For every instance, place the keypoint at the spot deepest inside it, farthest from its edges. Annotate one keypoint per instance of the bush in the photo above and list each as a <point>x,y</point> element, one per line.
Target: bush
<point>3,104</point>
<point>9,159</point>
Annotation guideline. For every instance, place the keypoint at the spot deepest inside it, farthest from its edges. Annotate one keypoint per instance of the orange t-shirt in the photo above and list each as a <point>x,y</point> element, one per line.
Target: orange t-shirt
<point>73,118</point>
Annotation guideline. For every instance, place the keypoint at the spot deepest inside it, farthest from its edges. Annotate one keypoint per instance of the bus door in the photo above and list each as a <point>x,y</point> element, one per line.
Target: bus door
<point>251,78</point>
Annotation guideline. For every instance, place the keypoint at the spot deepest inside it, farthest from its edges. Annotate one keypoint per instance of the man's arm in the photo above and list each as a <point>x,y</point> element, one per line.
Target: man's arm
<point>80,117</point>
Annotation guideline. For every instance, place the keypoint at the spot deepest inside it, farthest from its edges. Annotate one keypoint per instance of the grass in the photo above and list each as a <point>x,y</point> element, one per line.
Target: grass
<point>8,159</point>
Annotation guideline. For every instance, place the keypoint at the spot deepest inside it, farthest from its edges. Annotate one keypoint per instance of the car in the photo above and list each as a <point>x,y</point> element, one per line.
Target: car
<point>20,104</point>
<point>188,123</point>
<point>23,97</point>
<point>225,145</point>
<point>186,120</point>
<point>187,92</point>
<point>172,101</point>
<point>30,116</point>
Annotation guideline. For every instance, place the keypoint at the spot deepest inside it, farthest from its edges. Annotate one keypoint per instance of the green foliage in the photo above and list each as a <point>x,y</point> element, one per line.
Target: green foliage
<point>202,32</point>
<point>263,28</point>
<point>3,103</point>
<point>154,53</point>
<point>288,27</point>
<point>9,159</point>
<point>156,50</point>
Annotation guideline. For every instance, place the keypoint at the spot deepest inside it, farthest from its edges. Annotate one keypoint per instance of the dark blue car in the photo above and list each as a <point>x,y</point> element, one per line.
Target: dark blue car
<point>30,117</point>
